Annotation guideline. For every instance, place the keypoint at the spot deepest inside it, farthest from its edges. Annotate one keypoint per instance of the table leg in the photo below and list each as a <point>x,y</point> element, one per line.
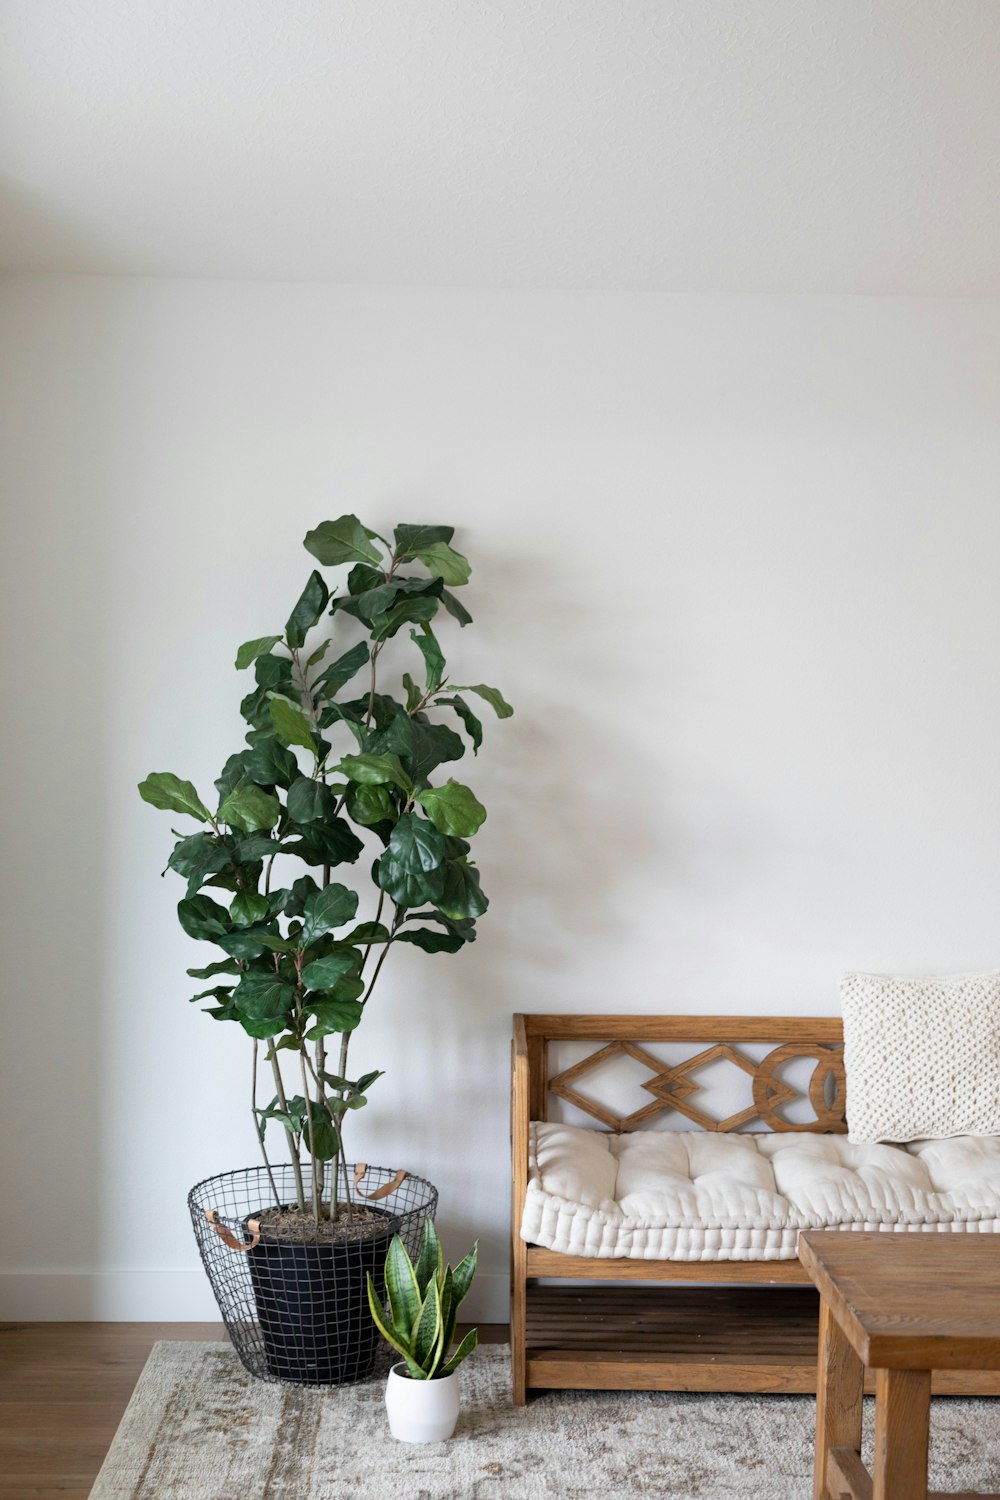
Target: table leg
<point>902,1425</point>
<point>839,1392</point>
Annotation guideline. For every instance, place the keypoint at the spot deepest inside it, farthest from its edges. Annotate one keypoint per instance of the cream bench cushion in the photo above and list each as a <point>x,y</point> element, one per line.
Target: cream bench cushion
<point>696,1195</point>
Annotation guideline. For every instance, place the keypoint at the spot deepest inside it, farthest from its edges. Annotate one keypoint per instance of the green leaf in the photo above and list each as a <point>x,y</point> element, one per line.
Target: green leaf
<point>432,655</point>
<point>463,1274</point>
<point>310,605</point>
<point>413,693</point>
<point>374,770</point>
<point>415,844</point>
<point>254,848</point>
<point>275,944</point>
<point>386,1329</point>
<point>323,973</point>
<point>268,763</point>
<point>242,943</point>
<point>247,908</point>
<point>340,541</point>
<point>368,932</point>
<point>266,1027</point>
<point>409,540</point>
<point>166,791</point>
<point>202,918</point>
<point>428,1331</point>
<point>333,1016</point>
<point>234,774</point>
<point>324,843</point>
<point>223,966</point>
<point>444,562</point>
<point>404,1293</point>
<point>463,1351</point>
<point>250,809</point>
<point>430,1261</point>
<point>409,870</point>
<point>329,682</point>
<point>452,808</point>
<point>308,800</point>
<point>263,996</point>
<point>492,696</point>
<point>290,723</point>
<point>319,653</point>
<point>250,650</point>
<point>335,713</point>
<point>197,857</point>
<point>473,726</point>
<point>421,745</point>
<point>362,578</point>
<point>369,805</point>
<point>456,608</point>
<point>461,896</point>
<point>329,908</point>
<point>219,992</point>
<point>430,941</point>
<point>415,610</point>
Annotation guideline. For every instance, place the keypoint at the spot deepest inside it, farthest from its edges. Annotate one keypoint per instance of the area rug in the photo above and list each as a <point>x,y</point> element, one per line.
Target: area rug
<point>199,1427</point>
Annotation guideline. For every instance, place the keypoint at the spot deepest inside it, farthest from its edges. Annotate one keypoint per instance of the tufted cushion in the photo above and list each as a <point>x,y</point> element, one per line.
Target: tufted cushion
<point>922,1056</point>
<point>696,1195</point>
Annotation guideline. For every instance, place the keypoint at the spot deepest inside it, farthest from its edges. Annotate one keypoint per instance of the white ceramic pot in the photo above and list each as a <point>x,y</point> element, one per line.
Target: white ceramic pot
<point>421,1411</point>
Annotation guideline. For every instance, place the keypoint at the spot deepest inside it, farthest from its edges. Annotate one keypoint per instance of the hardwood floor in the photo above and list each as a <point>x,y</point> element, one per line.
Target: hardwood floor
<point>63,1389</point>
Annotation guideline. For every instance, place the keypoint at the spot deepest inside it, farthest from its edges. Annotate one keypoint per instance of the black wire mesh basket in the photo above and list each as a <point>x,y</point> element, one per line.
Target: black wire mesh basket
<point>296,1309</point>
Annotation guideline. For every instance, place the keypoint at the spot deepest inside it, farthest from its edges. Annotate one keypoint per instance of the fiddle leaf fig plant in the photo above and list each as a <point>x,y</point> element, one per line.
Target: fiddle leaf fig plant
<point>340,761</point>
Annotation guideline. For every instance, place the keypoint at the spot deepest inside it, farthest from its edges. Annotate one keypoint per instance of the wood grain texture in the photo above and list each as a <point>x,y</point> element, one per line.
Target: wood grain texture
<point>839,1392</point>
<point>541,1262</point>
<point>63,1389</point>
<point>902,1431</point>
<point>520,1115</point>
<point>911,1301</point>
<point>675,1086</point>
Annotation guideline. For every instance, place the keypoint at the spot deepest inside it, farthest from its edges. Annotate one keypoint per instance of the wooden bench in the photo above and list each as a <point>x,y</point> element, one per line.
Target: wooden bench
<point>723,1326</point>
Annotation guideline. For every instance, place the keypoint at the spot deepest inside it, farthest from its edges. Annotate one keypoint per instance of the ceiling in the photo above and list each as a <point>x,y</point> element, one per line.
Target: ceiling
<point>684,145</point>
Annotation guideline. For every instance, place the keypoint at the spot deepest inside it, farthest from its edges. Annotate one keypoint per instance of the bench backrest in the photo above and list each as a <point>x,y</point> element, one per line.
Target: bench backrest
<point>674,1086</point>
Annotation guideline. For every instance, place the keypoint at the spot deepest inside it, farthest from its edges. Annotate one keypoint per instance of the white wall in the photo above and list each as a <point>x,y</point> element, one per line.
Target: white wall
<point>735,565</point>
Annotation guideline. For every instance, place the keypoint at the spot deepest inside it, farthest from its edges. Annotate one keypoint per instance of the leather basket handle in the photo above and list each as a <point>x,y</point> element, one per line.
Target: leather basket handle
<point>376,1193</point>
<point>226,1235</point>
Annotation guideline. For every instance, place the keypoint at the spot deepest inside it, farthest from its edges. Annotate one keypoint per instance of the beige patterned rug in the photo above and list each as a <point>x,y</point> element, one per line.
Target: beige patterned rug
<point>200,1428</point>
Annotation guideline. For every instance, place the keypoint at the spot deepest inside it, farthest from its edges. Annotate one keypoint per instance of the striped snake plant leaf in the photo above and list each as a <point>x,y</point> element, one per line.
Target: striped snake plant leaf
<point>404,1293</point>
<point>388,1333</point>
<point>430,1259</point>
<point>464,1272</point>
<point>465,1348</point>
<point>427,1335</point>
<point>449,1309</point>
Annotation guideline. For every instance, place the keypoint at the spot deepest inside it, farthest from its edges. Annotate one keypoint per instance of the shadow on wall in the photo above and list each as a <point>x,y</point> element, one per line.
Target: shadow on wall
<point>570,834</point>
<point>57,925</point>
<point>36,237</point>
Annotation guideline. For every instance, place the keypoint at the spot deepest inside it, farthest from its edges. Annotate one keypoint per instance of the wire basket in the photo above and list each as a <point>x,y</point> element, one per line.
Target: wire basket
<point>297,1310</point>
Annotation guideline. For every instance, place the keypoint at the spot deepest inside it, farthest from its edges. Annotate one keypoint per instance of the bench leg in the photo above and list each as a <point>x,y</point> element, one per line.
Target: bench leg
<point>839,1391</point>
<point>902,1422</point>
<point>519,1322</point>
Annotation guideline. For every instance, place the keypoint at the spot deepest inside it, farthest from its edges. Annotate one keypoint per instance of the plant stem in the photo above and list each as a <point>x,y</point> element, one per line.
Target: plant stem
<point>310,1133</point>
<point>279,1087</point>
<point>261,1127</point>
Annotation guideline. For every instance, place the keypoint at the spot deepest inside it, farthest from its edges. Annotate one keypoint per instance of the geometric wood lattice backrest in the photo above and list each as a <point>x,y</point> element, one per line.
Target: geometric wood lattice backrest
<point>676,1086</point>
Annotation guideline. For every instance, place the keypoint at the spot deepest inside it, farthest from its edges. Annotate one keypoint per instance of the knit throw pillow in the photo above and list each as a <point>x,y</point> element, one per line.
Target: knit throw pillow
<point>922,1056</point>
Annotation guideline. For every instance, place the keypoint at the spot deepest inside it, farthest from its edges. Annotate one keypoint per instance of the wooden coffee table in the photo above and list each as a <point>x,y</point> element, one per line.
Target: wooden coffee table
<point>902,1304</point>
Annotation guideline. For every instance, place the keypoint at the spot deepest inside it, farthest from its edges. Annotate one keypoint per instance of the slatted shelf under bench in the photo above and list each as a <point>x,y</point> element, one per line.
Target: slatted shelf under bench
<point>685,1338</point>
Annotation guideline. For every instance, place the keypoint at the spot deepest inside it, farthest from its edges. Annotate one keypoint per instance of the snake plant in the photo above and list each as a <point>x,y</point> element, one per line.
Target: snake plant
<point>423,1306</point>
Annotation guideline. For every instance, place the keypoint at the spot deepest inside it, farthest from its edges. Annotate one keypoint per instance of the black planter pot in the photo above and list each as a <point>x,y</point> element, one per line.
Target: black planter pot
<point>312,1304</point>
